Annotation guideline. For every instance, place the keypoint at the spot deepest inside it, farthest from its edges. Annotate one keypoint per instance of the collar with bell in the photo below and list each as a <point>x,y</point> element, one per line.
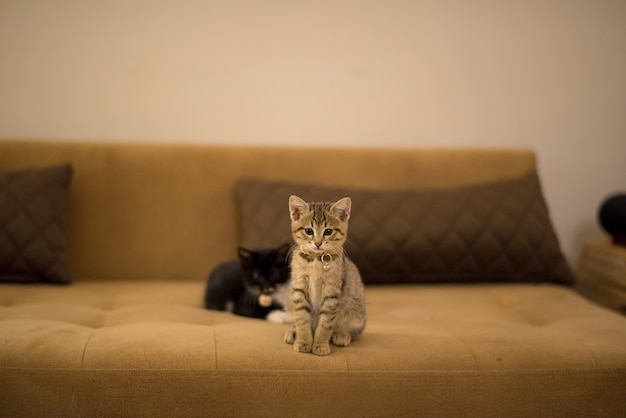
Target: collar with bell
<point>324,258</point>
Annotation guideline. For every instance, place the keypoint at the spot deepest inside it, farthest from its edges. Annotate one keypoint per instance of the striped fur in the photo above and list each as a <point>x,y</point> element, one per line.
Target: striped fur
<point>326,298</point>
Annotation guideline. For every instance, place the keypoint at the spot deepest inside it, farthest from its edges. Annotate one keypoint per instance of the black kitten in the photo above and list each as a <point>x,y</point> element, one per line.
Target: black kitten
<point>253,286</point>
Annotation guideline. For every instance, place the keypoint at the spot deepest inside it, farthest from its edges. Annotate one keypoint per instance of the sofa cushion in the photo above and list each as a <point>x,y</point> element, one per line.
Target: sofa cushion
<point>33,206</point>
<point>491,232</point>
<point>101,348</point>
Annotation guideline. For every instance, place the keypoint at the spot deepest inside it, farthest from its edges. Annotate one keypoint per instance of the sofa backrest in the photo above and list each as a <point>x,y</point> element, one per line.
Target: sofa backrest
<point>168,211</point>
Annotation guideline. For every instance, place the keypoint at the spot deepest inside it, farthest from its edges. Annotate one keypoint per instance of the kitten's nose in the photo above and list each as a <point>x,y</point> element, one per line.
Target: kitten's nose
<point>318,244</point>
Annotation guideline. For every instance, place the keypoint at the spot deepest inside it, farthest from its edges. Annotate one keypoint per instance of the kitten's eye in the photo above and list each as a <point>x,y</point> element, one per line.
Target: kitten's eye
<point>308,231</point>
<point>328,231</point>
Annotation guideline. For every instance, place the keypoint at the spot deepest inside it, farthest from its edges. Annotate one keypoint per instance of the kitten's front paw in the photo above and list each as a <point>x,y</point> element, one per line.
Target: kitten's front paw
<point>302,346</point>
<point>342,339</point>
<point>290,337</point>
<point>321,349</point>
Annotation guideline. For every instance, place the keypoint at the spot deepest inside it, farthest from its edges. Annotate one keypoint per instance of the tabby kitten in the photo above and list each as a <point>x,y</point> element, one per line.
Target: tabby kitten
<point>325,299</point>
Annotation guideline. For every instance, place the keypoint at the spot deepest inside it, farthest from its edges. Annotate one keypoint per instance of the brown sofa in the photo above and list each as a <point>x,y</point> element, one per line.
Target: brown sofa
<point>127,334</point>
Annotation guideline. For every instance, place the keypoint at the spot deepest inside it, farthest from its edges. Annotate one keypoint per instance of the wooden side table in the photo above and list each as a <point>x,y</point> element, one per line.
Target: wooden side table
<point>601,274</point>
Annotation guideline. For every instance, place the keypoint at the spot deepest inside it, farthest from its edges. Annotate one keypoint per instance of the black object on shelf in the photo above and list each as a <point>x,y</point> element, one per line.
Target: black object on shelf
<point>612,217</point>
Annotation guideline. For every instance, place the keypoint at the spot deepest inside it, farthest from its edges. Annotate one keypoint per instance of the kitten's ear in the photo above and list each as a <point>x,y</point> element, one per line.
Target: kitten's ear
<point>342,208</point>
<point>297,207</point>
<point>245,257</point>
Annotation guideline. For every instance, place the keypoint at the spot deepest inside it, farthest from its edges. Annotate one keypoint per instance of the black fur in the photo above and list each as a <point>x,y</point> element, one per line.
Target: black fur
<point>241,282</point>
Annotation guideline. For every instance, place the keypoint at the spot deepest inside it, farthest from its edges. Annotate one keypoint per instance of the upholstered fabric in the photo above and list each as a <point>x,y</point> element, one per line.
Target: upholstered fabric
<point>33,206</point>
<point>129,336</point>
<point>166,211</point>
<point>150,349</point>
<point>488,232</point>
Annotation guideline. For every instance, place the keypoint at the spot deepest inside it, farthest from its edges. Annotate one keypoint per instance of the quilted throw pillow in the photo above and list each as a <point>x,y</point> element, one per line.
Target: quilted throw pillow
<point>492,232</point>
<point>33,206</point>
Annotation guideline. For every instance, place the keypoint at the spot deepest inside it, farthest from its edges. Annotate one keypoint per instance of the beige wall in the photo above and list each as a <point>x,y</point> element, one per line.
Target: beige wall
<point>546,74</point>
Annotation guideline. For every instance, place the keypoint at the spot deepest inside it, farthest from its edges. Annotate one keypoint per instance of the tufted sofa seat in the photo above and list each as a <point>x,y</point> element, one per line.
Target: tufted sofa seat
<point>129,335</point>
<point>479,342</point>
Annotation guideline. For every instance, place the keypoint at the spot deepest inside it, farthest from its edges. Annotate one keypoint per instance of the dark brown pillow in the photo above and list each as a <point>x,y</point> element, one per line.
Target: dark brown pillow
<point>33,206</point>
<point>492,232</point>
